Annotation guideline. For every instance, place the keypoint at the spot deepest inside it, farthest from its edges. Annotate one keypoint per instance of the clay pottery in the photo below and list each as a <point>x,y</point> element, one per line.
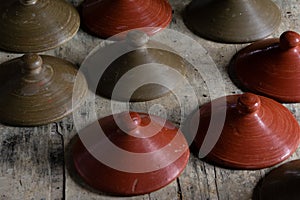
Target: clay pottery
<point>270,67</point>
<point>232,21</point>
<point>257,133</point>
<point>107,18</point>
<point>37,90</point>
<point>141,68</point>
<point>281,183</point>
<point>36,25</point>
<point>145,153</point>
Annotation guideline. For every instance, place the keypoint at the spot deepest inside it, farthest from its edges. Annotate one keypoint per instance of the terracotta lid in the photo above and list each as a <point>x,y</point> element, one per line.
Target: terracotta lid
<point>233,21</point>
<point>107,18</point>
<point>281,183</point>
<point>270,67</point>
<point>141,69</point>
<point>258,132</point>
<point>133,153</point>
<point>37,90</point>
<point>36,25</point>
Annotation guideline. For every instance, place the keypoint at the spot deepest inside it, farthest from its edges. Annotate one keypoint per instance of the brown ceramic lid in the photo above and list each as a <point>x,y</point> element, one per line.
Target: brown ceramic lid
<point>281,183</point>
<point>147,69</point>
<point>270,67</point>
<point>37,90</point>
<point>145,153</point>
<point>107,18</point>
<point>233,21</point>
<point>258,132</point>
<point>36,25</point>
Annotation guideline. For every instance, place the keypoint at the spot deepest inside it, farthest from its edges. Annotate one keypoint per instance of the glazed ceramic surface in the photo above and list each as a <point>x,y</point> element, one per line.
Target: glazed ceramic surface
<point>144,64</point>
<point>281,183</point>
<point>37,90</point>
<point>36,25</point>
<point>270,67</point>
<point>135,137</point>
<point>232,21</point>
<point>258,132</point>
<point>107,18</point>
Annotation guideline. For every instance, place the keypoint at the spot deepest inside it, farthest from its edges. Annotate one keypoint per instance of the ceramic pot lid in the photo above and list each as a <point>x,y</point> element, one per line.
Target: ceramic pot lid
<point>281,183</point>
<point>258,132</point>
<point>270,67</point>
<point>37,90</point>
<point>233,21</point>
<point>146,69</point>
<point>36,25</point>
<point>107,18</point>
<point>141,154</point>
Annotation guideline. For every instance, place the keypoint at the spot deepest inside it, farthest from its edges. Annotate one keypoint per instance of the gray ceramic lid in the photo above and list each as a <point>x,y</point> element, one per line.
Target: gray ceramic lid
<point>142,69</point>
<point>233,21</point>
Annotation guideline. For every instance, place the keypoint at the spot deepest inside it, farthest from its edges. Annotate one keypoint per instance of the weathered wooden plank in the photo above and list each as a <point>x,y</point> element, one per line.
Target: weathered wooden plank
<point>31,163</point>
<point>31,159</point>
<point>201,180</point>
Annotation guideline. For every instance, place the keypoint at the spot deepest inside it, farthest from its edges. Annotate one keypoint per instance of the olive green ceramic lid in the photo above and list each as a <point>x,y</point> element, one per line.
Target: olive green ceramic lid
<point>37,90</point>
<point>233,21</point>
<point>145,69</point>
<point>36,25</point>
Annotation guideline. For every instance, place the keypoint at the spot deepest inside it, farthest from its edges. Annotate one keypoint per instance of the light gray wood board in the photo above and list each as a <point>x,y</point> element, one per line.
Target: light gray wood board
<point>28,172</point>
<point>31,161</point>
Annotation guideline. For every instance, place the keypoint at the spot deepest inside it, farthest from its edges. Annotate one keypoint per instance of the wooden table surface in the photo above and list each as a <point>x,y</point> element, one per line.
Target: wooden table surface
<point>35,161</point>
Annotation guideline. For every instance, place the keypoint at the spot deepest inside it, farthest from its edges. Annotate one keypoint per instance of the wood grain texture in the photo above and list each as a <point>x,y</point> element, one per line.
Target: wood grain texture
<point>32,159</point>
<point>31,163</point>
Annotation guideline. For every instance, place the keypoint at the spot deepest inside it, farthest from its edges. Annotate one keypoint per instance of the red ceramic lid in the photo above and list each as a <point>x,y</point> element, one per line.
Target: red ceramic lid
<point>258,132</point>
<point>281,183</point>
<point>270,67</point>
<point>107,18</point>
<point>136,154</point>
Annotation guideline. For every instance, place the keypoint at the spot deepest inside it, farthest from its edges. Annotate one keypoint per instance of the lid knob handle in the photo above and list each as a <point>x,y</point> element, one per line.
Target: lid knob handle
<point>129,121</point>
<point>137,38</point>
<point>248,103</point>
<point>32,63</point>
<point>289,40</point>
<point>28,2</point>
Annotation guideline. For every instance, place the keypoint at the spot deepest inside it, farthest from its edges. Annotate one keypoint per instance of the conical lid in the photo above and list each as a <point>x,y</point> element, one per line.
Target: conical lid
<point>233,21</point>
<point>258,132</point>
<point>270,67</point>
<point>140,69</point>
<point>281,183</point>
<point>37,90</point>
<point>107,18</point>
<point>132,153</point>
<point>36,25</point>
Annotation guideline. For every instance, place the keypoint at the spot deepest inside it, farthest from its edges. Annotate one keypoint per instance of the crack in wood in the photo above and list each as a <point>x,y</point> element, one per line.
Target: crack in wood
<point>216,183</point>
<point>179,189</point>
<point>59,133</point>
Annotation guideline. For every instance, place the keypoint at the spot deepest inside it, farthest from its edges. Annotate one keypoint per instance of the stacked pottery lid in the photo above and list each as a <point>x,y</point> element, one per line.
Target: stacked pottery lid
<point>270,67</point>
<point>107,18</point>
<point>37,90</point>
<point>257,132</point>
<point>136,69</point>
<point>36,25</point>
<point>233,21</point>
<point>130,153</point>
<point>281,183</point>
